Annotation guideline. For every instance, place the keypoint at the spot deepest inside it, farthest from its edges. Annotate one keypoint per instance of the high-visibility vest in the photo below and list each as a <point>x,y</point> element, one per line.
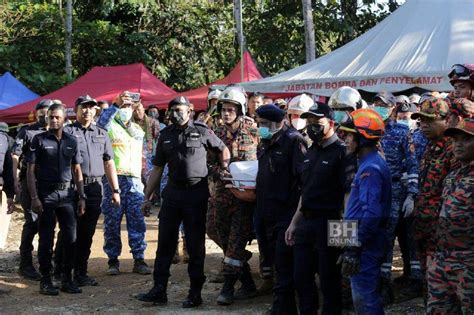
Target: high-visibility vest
<point>127,148</point>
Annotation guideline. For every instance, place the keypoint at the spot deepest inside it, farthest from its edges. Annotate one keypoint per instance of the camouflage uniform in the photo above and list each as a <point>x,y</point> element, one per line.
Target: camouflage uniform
<point>400,159</point>
<point>451,274</point>
<point>229,220</point>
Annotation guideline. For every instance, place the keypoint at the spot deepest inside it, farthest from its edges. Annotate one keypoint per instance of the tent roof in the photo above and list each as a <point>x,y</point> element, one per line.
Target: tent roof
<point>198,96</point>
<point>13,92</point>
<point>102,83</point>
<point>415,46</point>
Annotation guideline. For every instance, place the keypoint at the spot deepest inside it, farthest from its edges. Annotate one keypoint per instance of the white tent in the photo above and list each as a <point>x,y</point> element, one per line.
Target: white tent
<point>415,46</point>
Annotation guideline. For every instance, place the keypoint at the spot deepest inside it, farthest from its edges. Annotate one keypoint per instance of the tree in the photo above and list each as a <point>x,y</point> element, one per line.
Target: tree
<point>310,45</point>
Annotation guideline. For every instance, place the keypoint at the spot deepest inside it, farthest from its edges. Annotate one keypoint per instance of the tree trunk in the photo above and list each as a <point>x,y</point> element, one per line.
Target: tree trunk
<point>310,43</point>
<point>69,39</point>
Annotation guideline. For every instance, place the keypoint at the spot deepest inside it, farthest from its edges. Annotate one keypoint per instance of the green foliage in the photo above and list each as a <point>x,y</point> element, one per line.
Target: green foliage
<point>185,43</point>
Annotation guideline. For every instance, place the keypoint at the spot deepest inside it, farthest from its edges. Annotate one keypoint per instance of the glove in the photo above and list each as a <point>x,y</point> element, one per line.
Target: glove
<point>408,206</point>
<point>350,261</point>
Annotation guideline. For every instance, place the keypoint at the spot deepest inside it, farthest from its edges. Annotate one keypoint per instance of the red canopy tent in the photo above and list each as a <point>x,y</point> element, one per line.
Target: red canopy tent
<point>102,83</point>
<point>199,96</point>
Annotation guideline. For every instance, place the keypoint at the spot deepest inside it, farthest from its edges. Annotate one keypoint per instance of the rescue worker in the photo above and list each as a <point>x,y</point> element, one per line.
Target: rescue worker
<point>462,79</point>
<point>20,148</point>
<point>97,160</point>
<point>322,199</point>
<point>53,161</point>
<point>280,161</point>
<point>343,101</point>
<point>297,106</point>
<point>400,159</point>
<point>183,147</point>
<point>369,204</point>
<point>255,101</point>
<point>211,117</point>
<point>460,108</point>
<point>437,162</point>
<point>230,219</point>
<point>127,144</point>
<point>451,273</point>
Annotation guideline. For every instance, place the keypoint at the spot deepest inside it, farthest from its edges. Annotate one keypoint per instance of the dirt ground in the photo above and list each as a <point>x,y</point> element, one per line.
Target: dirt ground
<point>115,293</point>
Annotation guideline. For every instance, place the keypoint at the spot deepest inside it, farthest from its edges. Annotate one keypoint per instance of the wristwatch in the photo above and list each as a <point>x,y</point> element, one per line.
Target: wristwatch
<point>116,191</point>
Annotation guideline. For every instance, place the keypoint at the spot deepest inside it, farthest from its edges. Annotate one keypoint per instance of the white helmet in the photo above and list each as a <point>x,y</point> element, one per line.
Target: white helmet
<point>402,99</point>
<point>235,96</point>
<point>300,104</point>
<point>414,98</point>
<point>214,94</point>
<point>345,98</point>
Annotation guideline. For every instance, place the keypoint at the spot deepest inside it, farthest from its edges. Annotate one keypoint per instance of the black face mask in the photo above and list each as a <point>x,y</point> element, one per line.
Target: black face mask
<point>315,132</point>
<point>42,120</point>
<point>177,118</point>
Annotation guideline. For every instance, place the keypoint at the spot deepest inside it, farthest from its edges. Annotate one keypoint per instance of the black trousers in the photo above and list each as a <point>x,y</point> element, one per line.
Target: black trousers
<point>85,230</point>
<point>311,244</point>
<point>30,228</point>
<point>189,206</point>
<point>57,205</point>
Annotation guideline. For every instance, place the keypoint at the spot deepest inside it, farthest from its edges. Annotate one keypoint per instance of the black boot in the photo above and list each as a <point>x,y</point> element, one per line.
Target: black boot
<point>68,286</point>
<point>248,289</point>
<point>386,291</point>
<point>194,296</point>
<point>47,287</point>
<point>83,280</point>
<point>226,296</point>
<point>29,272</point>
<point>157,295</point>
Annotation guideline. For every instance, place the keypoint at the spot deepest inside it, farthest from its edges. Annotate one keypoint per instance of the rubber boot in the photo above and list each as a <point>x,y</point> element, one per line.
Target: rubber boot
<point>226,296</point>
<point>248,289</point>
<point>194,296</point>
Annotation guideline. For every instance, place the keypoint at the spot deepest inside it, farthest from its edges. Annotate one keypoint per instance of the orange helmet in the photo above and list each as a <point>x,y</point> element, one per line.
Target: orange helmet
<point>368,123</point>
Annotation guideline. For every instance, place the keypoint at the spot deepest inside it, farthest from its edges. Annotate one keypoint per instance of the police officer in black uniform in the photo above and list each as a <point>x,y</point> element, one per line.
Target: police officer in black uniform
<point>20,148</point>
<point>53,160</point>
<point>322,199</point>
<point>97,159</point>
<point>280,161</point>
<point>183,147</point>
<point>6,170</point>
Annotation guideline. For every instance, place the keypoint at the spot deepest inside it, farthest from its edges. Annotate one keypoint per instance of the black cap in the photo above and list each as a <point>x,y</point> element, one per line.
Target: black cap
<point>319,110</point>
<point>85,99</point>
<point>179,100</point>
<point>271,112</point>
<point>44,104</point>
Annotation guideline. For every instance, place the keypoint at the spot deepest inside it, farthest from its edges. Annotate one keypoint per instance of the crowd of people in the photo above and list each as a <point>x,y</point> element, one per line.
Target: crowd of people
<point>398,166</point>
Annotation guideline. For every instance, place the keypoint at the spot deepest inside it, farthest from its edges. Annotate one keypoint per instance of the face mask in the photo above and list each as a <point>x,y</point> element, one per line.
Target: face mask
<point>384,112</point>
<point>125,114</point>
<point>298,123</point>
<point>315,132</point>
<point>404,122</point>
<point>152,115</point>
<point>42,120</point>
<point>177,118</point>
<point>265,133</point>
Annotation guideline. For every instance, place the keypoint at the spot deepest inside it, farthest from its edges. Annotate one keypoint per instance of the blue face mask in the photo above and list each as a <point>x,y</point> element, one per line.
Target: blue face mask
<point>265,133</point>
<point>384,112</point>
<point>404,122</point>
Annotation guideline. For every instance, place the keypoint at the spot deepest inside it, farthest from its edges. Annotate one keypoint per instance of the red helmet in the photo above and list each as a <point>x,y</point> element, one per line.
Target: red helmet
<point>463,72</point>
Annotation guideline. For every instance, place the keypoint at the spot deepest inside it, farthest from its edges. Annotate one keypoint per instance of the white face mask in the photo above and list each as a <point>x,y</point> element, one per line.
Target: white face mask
<point>298,123</point>
<point>125,114</point>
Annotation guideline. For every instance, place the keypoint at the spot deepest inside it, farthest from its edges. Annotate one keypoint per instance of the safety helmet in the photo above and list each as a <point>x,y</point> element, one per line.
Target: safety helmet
<point>414,98</point>
<point>387,98</point>
<point>300,104</point>
<point>46,103</point>
<point>214,94</point>
<point>345,98</point>
<point>368,123</point>
<point>463,72</point>
<point>428,95</point>
<point>402,99</point>
<point>235,96</point>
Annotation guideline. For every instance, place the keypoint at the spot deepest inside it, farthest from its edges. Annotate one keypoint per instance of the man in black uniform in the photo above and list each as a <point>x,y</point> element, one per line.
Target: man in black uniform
<point>6,170</point>
<point>280,161</point>
<point>322,199</point>
<point>19,151</point>
<point>52,160</point>
<point>183,147</point>
<point>97,159</point>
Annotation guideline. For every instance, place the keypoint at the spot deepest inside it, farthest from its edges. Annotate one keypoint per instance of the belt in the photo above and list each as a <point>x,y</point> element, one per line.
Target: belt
<point>91,179</point>
<point>54,186</point>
